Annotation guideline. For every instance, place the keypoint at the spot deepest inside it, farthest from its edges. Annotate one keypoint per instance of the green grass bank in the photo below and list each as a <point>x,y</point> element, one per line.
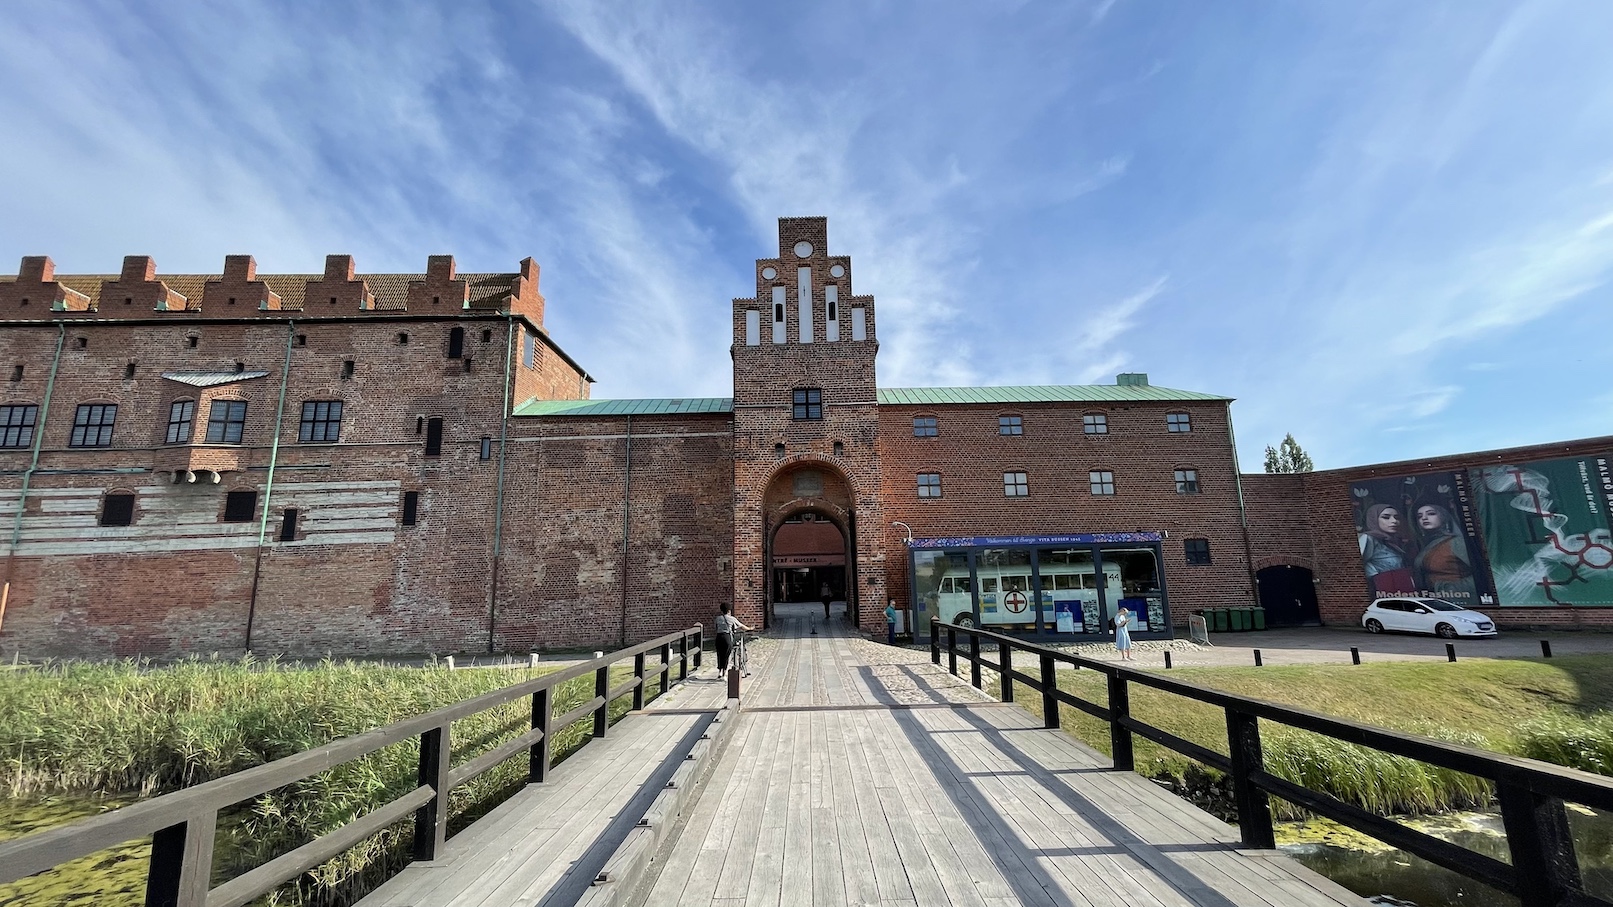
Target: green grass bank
<point>73,733</point>
<point>1555,710</point>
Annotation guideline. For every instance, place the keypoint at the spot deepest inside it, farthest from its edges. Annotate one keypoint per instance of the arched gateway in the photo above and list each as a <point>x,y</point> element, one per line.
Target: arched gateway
<point>808,524</point>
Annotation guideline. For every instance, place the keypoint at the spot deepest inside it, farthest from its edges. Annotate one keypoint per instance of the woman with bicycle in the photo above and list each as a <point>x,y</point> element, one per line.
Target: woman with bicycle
<point>728,626</point>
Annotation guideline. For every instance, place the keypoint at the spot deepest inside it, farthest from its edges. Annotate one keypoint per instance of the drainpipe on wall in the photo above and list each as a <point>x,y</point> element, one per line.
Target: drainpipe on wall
<point>1243,514</point>
<point>498,496</point>
<point>268,488</point>
<point>627,513</point>
<point>33,462</point>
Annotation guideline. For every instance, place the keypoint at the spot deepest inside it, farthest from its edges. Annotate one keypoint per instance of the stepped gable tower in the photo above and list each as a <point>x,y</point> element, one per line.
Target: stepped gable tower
<point>806,433</point>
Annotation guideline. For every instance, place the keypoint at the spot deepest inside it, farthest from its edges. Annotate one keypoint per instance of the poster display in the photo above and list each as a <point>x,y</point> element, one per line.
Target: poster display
<point>1419,536</point>
<point>1546,530</point>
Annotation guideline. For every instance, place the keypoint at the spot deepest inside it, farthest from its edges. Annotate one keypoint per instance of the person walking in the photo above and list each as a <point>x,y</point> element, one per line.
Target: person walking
<point>1122,624</point>
<point>727,625</point>
<point>890,621</point>
<point>828,596</point>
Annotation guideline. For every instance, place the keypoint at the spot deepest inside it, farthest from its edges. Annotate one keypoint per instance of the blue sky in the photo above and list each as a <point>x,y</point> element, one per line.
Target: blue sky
<point>1386,227</point>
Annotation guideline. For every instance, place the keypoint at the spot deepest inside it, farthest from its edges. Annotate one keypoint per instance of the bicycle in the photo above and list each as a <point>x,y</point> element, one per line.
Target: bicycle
<point>740,656</point>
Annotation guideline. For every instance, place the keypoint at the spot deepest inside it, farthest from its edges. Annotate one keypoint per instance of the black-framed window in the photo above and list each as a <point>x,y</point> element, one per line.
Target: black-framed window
<point>434,436</point>
<point>92,425</point>
<point>1095,424</point>
<point>456,343</point>
<point>180,414</point>
<point>926,426</point>
<point>288,525</point>
<point>17,425</point>
<point>1187,481</point>
<point>225,421</point>
<point>929,484</point>
<point>1102,481</point>
<point>1197,551</point>
<point>806,403</point>
<point>117,510</point>
<point>1179,422</point>
<point>1010,425</point>
<point>321,421</point>
<point>1016,485</point>
<point>411,507</point>
<point>240,506</point>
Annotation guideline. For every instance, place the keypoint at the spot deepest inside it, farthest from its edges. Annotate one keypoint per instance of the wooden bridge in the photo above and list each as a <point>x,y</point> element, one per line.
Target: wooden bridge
<point>847,773</point>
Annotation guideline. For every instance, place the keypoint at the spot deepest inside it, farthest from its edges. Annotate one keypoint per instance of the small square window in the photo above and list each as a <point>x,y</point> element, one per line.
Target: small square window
<point>1103,481</point>
<point>1015,485</point>
<point>1187,481</point>
<point>929,484</point>
<point>224,421</point>
<point>1010,425</point>
<point>240,506</point>
<point>117,510</point>
<point>1095,424</point>
<point>192,340</point>
<point>925,426</point>
<point>1178,422</point>
<point>1197,551</point>
<point>807,404</point>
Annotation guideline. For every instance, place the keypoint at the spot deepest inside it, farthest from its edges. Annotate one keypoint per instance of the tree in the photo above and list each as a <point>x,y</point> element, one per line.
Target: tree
<point>1289,457</point>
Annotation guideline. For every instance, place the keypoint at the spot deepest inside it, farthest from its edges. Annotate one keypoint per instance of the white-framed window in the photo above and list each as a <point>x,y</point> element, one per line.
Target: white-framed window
<point>1016,485</point>
<point>1102,480</point>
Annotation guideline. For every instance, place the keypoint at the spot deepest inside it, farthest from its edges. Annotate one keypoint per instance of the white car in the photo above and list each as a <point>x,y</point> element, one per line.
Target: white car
<point>1426,615</point>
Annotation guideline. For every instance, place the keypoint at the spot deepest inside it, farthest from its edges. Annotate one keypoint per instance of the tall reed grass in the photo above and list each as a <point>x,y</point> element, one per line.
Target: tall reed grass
<point>129,727</point>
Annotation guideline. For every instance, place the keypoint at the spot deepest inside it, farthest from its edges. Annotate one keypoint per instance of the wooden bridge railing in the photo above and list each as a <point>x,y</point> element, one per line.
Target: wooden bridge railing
<point>1544,871</point>
<point>183,824</point>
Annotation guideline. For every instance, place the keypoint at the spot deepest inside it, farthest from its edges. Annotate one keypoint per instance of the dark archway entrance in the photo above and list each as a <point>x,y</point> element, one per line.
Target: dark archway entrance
<point>1288,596</point>
<point>808,555</point>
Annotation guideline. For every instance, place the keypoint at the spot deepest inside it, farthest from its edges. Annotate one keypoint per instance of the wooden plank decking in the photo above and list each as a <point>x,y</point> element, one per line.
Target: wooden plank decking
<point>849,783</point>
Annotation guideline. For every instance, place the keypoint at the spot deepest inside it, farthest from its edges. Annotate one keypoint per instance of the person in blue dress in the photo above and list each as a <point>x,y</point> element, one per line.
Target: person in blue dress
<point>1123,633</point>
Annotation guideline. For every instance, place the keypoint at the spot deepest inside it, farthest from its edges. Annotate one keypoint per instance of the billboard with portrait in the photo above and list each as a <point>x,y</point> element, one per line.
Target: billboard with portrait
<point>1547,533</point>
<point>1418,535</point>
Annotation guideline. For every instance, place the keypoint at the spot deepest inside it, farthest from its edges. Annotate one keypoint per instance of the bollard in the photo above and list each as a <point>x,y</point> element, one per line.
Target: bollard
<point>1258,662</point>
<point>1450,651</point>
<point>1545,648</point>
<point>450,661</point>
<point>733,683</point>
<point>1167,659</point>
<point>1355,655</point>
<point>532,660</point>
<point>599,654</point>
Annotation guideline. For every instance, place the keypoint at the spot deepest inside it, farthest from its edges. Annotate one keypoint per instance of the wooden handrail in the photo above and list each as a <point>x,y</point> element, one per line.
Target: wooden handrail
<point>183,823</point>
<point>1544,871</point>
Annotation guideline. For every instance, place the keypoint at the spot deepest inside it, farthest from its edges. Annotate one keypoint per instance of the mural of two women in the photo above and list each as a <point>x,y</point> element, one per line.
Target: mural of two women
<point>1411,545</point>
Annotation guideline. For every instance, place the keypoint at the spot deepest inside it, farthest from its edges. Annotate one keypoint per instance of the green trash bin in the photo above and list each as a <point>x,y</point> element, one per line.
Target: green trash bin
<point>1259,614</point>
<point>1220,619</point>
<point>1240,619</point>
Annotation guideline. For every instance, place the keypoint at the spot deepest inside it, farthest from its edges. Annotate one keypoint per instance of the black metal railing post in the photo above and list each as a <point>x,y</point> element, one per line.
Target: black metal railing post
<point>431,819</point>
<point>1119,734</point>
<point>1050,699</point>
<point>1254,807</point>
<point>1542,845</point>
<point>935,640</point>
<point>683,658</point>
<point>602,691</point>
<point>1007,670</point>
<point>699,647</point>
<point>666,666</point>
<point>974,659</point>
<point>952,650</point>
<point>638,672</point>
<point>181,867</point>
<point>542,713</point>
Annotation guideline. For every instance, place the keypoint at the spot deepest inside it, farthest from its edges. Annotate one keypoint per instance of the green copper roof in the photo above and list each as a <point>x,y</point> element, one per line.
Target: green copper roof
<point>660,407</point>
<point>1055,393</point>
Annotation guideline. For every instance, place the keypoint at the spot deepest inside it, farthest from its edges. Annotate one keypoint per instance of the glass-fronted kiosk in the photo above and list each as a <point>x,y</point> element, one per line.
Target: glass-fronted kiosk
<point>1060,586</point>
